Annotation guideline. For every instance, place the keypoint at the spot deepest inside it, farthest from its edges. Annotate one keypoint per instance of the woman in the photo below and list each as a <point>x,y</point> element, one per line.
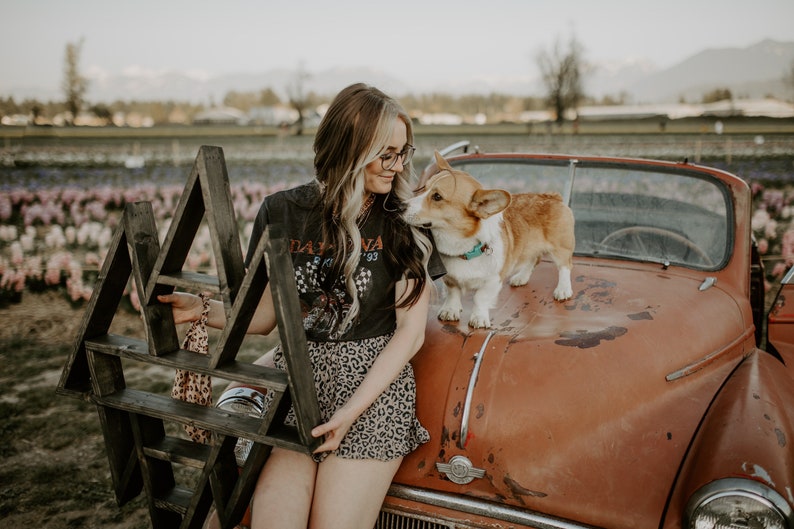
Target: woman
<point>364,279</point>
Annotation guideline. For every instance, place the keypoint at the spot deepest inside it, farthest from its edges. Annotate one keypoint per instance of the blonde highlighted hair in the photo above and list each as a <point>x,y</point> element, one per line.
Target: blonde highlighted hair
<point>354,132</point>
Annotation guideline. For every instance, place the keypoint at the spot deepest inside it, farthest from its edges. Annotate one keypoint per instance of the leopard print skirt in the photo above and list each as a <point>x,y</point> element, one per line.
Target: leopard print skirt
<point>389,428</point>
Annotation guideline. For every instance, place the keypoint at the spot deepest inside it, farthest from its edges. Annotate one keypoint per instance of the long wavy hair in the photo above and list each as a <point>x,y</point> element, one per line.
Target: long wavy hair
<point>354,131</point>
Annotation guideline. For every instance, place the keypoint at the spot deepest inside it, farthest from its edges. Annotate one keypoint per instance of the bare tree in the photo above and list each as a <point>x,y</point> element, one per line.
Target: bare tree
<point>298,98</point>
<point>562,71</point>
<point>74,84</point>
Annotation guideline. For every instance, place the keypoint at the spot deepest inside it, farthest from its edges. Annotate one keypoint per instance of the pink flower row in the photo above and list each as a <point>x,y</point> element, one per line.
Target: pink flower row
<point>58,238</point>
<point>76,206</point>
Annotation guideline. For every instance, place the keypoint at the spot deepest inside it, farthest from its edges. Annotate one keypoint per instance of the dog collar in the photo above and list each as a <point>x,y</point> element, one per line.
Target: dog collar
<point>478,250</point>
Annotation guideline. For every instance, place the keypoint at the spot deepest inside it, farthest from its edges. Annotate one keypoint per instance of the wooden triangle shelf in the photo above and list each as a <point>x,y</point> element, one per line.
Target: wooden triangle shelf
<point>142,456</point>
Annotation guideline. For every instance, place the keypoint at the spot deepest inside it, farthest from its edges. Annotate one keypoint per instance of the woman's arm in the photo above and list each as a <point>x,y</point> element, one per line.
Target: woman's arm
<point>187,307</point>
<point>408,337</point>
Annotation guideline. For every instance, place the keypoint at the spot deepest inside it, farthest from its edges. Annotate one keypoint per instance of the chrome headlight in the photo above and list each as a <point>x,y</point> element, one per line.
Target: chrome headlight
<point>737,503</point>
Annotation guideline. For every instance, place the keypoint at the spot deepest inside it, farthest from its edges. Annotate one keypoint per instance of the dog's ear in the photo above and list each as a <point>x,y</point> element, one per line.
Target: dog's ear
<point>441,162</point>
<point>487,202</point>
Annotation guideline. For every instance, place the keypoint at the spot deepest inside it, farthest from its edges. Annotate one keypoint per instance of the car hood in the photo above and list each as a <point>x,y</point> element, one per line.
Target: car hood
<point>583,408</point>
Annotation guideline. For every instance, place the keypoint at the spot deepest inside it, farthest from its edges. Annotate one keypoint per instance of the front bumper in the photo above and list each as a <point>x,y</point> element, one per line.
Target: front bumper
<point>408,507</point>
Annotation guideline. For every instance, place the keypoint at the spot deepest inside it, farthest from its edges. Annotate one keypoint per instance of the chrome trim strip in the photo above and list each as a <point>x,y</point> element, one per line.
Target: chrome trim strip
<point>699,364</point>
<point>788,277</point>
<point>449,149</point>
<point>467,504</point>
<point>566,199</point>
<point>464,422</point>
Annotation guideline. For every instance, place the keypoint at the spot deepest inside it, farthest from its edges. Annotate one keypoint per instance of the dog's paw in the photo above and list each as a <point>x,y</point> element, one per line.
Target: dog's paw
<point>564,288</point>
<point>479,321</point>
<point>448,314</point>
<point>520,278</point>
<point>562,293</point>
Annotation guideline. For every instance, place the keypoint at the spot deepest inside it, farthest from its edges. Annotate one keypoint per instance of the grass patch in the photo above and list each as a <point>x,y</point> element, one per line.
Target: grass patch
<point>53,464</point>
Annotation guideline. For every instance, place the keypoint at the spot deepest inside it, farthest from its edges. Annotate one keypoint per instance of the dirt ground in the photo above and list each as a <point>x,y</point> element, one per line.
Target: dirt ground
<point>53,468</point>
<point>54,473</point>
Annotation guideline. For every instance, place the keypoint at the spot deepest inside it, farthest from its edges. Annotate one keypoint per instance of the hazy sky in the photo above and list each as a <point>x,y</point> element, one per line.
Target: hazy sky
<point>418,41</point>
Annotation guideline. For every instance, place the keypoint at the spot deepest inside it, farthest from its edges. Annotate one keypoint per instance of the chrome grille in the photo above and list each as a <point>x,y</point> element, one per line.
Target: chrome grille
<point>393,520</point>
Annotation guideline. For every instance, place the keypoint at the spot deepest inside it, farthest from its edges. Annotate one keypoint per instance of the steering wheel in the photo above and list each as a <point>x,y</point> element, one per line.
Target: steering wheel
<point>650,241</point>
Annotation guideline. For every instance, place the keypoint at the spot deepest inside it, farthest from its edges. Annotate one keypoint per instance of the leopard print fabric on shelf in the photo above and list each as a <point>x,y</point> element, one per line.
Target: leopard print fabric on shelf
<point>195,387</point>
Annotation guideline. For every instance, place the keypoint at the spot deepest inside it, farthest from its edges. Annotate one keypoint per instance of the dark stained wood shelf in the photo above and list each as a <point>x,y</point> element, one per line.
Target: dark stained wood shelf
<point>140,453</point>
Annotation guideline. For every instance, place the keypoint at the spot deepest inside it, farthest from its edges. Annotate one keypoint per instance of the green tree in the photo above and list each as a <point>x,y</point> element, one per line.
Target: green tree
<point>718,94</point>
<point>562,69</point>
<point>35,111</point>
<point>788,78</point>
<point>243,101</point>
<point>103,112</point>
<point>74,84</point>
<point>268,98</point>
<point>8,106</point>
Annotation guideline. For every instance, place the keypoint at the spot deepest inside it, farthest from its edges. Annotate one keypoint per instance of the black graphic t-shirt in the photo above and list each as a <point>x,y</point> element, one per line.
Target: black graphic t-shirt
<point>324,299</point>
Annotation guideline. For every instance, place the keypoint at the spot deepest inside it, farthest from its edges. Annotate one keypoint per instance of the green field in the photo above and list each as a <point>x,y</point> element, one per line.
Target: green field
<point>53,465</point>
<point>702,125</point>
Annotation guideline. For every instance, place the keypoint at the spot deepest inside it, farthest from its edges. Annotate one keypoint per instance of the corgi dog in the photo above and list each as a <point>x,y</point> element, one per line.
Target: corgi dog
<point>487,236</point>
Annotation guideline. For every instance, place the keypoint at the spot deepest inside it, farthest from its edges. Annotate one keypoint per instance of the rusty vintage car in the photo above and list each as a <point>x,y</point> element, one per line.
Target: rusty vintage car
<point>656,397</point>
<point>659,396</point>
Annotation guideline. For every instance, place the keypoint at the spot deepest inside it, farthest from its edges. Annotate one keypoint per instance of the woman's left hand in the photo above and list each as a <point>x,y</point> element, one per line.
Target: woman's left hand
<point>404,343</point>
<point>334,431</point>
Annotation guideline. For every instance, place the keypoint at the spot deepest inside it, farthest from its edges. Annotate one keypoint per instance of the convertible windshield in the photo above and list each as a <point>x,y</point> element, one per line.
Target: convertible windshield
<point>627,210</point>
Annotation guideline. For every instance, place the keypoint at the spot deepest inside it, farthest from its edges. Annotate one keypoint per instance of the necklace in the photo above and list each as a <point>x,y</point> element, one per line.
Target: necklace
<point>365,206</point>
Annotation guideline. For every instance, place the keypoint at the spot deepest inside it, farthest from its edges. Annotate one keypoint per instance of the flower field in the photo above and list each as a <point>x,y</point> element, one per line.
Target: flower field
<point>56,237</point>
<point>56,223</point>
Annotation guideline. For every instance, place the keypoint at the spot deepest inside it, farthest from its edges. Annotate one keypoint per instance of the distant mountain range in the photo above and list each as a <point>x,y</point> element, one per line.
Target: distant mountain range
<point>753,72</point>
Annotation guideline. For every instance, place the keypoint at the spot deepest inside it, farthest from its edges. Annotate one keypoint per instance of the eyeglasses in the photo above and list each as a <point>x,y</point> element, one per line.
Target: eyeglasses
<point>389,160</point>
